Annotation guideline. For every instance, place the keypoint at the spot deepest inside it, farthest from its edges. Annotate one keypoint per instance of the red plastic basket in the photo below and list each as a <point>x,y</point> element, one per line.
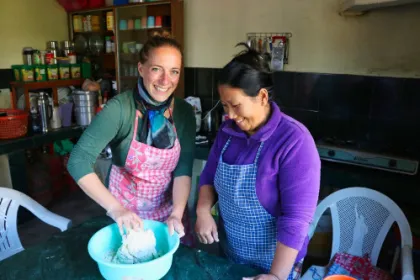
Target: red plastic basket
<point>14,124</point>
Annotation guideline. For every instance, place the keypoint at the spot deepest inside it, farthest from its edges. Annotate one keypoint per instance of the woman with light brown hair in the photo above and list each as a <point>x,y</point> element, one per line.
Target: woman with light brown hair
<point>152,137</point>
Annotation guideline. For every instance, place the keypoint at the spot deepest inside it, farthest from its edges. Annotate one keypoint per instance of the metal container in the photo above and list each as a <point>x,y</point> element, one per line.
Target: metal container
<point>45,111</point>
<point>52,45</point>
<point>85,103</point>
<point>85,98</point>
<point>67,47</point>
<point>27,56</point>
<point>84,115</point>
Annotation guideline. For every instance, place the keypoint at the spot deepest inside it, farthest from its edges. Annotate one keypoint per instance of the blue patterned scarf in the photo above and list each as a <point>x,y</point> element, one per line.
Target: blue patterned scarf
<point>157,130</point>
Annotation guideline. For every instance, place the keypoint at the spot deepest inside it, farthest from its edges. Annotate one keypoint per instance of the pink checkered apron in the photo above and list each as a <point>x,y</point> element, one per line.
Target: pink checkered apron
<point>144,184</point>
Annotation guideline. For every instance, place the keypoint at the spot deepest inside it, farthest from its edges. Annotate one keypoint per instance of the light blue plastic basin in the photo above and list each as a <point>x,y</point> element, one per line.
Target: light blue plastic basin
<point>108,239</point>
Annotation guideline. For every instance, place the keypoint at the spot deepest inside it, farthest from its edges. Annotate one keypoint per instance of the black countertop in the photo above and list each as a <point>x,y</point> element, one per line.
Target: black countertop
<point>32,140</point>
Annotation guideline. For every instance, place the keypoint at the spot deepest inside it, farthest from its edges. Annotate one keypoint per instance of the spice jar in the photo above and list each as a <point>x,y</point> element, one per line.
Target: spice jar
<point>77,23</point>
<point>95,23</point>
<point>110,21</point>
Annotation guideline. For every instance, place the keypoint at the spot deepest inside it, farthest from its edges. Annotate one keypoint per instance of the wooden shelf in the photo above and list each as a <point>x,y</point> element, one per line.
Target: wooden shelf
<point>161,2</point>
<point>103,9</point>
<point>146,29</point>
<point>101,32</point>
<point>172,13</point>
<point>54,85</point>
<point>48,84</point>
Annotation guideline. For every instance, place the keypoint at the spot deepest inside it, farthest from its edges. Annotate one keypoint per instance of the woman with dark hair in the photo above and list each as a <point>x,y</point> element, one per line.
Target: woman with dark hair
<point>152,135</point>
<point>264,170</point>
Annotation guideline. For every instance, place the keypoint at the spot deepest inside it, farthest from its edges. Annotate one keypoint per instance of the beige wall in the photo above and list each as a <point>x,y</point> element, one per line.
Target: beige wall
<point>29,23</point>
<point>385,42</point>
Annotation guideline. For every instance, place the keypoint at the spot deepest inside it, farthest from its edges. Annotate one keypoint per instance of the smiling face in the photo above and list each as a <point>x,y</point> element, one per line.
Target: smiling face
<point>249,113</point>
<point>161,72</point>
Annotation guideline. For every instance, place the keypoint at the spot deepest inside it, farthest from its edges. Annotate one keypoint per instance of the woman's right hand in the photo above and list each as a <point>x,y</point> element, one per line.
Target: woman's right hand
<point>125,218</point>
<point>206,228</point>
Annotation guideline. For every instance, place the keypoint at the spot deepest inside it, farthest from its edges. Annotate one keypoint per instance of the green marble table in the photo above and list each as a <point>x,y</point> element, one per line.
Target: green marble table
<point>64,256</point>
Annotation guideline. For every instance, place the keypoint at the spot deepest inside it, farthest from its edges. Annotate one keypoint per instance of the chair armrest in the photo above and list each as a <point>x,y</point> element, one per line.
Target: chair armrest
<point>407,263</point>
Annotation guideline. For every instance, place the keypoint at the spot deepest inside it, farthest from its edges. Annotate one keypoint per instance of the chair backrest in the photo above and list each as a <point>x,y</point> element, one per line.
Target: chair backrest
<point>10,200</point>
<point>361,219</point>
<point>9,239</point>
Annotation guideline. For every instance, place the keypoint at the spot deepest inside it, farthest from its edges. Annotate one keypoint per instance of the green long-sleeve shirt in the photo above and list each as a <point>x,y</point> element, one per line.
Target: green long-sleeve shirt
<point>115,125</point>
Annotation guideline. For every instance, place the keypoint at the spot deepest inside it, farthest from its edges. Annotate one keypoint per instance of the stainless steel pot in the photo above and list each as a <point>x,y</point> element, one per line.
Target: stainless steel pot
<point>84,115</point>
<point>85,103</point>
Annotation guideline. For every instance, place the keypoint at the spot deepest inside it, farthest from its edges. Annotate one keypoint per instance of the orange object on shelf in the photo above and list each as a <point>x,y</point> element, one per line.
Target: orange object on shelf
<point>14,124</point>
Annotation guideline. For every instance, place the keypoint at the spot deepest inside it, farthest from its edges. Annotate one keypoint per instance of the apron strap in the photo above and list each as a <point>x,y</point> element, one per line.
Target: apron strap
<point>256,157</point>
<point>258,153</point>
<point>136,123</point>
<point>225,147</point>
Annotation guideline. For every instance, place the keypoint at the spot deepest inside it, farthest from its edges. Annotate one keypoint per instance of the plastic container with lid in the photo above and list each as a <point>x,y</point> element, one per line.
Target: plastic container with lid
<point>40,73</point>
<point>120,2</point>
<point>52,72</point>
<point>17,73</point>
<point>27,73</point>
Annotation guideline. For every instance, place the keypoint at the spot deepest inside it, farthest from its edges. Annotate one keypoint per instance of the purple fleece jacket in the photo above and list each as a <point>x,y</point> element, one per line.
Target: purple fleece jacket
<point>288,175</point>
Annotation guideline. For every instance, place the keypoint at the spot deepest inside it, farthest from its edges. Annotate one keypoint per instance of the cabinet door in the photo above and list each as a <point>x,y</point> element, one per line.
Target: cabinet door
<point>134,24</point>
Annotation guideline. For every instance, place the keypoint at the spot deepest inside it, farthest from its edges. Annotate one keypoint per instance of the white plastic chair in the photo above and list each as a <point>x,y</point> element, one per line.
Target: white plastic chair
<point>361,219</point>
<point>10,200</point>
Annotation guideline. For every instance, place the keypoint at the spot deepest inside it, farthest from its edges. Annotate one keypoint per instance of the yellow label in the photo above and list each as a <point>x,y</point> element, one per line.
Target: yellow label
<point>17,75</point>
<point>27,75</point>
<point>75,72</point>
<point>52,74</point>
<point>64,73</point>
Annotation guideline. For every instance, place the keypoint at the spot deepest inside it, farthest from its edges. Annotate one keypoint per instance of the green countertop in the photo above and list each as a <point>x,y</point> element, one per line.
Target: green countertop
<point>65,256</point>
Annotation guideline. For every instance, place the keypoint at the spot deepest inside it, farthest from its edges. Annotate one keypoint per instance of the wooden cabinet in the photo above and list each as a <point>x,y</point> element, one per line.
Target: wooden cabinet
<point>133,24</point>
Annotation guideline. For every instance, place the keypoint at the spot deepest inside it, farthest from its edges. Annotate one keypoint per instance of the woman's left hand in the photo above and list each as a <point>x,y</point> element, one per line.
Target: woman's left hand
<point>174,224</point>
<point>262,277</point>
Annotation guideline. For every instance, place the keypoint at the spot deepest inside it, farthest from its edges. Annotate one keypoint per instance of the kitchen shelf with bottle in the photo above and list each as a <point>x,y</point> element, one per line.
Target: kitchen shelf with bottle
<point>54,85</point>
<point>153,29</point>
<point>129,26</point>
<point>101,32</point>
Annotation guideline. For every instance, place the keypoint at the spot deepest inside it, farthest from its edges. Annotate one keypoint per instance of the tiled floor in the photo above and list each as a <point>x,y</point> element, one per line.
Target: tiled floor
<point>77,207</point>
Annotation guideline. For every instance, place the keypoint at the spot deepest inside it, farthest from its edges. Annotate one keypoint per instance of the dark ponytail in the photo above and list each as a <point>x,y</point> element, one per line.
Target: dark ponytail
<point>249,70</point>
<point>158,39</point>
